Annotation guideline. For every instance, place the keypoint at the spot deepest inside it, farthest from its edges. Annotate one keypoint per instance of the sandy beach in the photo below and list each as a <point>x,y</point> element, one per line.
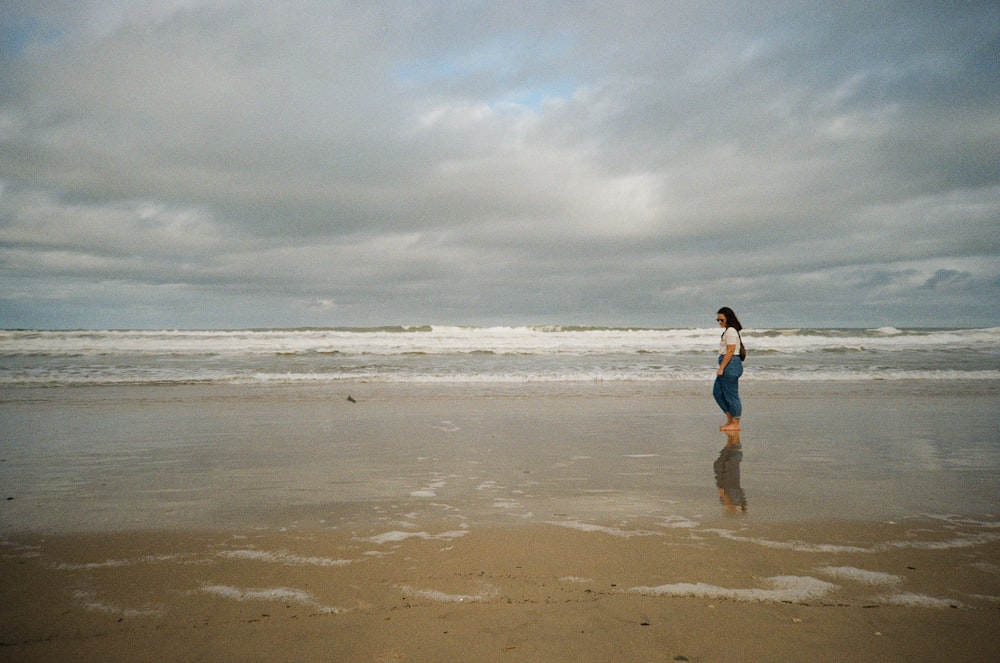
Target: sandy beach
<point>413,524</point>
<point>820,592</point>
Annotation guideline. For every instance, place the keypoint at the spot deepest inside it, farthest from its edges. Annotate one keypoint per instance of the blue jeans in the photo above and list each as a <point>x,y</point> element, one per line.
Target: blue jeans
<point>727,387</point>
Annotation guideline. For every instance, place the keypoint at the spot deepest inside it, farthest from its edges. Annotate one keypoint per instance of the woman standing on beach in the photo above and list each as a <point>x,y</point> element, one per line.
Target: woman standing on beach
<point>727,378</point>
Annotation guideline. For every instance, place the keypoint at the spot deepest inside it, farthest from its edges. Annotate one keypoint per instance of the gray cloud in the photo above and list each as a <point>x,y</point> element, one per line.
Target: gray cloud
<point>214,163</point>
<point>946,278</point>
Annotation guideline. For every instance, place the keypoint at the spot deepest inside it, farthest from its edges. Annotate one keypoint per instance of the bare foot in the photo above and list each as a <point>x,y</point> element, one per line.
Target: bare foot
<point>735,426</point>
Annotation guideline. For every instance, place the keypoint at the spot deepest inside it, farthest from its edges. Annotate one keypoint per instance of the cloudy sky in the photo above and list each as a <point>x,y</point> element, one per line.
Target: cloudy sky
<point>214,163</point>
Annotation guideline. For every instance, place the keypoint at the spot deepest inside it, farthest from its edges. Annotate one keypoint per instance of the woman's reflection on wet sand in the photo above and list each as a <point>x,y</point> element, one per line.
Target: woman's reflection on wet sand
<point>727,475</point>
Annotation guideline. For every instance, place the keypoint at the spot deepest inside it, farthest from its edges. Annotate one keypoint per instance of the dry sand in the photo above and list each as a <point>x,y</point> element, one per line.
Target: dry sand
<point>920,590</point>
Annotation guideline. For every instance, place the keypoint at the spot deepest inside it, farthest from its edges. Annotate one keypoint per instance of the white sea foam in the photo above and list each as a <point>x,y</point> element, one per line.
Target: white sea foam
<point>783,589</point>
<point>678,522</point>
<point>488,592</point>
<point>986,597</point>
<point>20,550</point>
<point>963,521</point>
<point>88,566</point>
<point>430,490</point>
<point>798,546</point>
<point>281,558</point>
<point>443,339</point>
<point>860,575</point>
<point>918,601</point>
<point>274,594</point>
<point>967,541</point>
<point>114,563</point>
<point>87,600</point>
<point>397,536</point>
<point>473,355</point>
<point>576,579</point>
<point>986,567</point>
<point>588,527</point>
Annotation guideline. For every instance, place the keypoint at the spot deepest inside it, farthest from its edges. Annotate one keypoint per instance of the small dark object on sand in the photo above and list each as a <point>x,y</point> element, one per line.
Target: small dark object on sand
<point>351,398</point>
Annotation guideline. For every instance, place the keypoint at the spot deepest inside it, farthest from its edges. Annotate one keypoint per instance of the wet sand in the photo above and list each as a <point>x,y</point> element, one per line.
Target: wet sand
<point>819,592</point>
<point>491,524</point>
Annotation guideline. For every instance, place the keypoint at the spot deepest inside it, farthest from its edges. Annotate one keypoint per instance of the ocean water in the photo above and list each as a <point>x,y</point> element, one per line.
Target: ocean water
<point>447,354</point>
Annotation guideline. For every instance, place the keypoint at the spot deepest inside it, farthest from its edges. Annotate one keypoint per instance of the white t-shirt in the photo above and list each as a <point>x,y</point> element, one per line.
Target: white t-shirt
<point>730,337</point>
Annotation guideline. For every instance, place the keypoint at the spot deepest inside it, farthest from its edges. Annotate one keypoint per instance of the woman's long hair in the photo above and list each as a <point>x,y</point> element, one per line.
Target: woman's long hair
<point>731,319</point>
